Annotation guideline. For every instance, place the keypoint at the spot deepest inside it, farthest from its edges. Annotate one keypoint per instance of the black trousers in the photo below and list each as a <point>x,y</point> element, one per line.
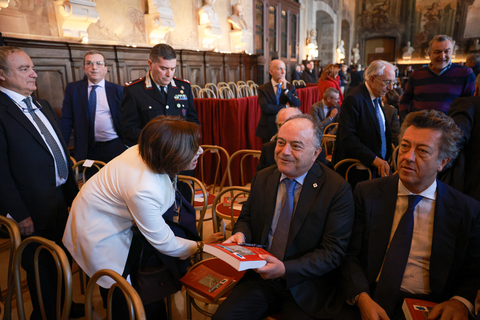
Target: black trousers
<point>106,151</point>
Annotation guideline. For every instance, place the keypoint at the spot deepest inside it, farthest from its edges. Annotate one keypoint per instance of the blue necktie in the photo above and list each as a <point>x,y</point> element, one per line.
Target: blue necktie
<point>390,280</point>
<point>383,150</point>
<point>280,237</point>
<point>279,92</point>
<point>57,153</point>
<point>92,109</point>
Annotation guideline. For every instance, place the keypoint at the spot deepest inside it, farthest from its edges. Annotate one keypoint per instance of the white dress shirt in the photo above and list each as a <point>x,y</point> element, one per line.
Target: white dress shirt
<point>104,130</point>
<point>372,96</point>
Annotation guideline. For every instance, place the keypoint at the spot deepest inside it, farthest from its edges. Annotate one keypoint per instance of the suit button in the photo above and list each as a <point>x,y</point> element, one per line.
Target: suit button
<point>167,107</point>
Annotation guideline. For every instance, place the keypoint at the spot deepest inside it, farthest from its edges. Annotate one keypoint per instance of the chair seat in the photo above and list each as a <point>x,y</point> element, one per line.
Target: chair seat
<point>198,204</point>
<point>223,210</point>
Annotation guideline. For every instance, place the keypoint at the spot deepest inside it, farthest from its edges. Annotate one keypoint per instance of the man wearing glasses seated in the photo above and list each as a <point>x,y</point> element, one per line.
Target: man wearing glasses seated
<point>92,107</point>
<point>363,133</point>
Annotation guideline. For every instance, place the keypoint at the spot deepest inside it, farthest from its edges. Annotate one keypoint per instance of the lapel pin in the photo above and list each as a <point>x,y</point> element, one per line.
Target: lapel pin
<point>315,185</point>
<point>181,91</point>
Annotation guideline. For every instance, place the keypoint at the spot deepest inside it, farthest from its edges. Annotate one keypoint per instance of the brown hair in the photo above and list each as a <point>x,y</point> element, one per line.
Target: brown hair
<point>162,50</point>
<point>330,71</point>
<point>168,144</point>
<point>4,53</point>
<point>93,52</point>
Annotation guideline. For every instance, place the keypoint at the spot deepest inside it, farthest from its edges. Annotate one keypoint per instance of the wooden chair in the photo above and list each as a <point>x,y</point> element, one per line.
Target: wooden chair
<point>219,154</point>
<point>352,163</point>
<point>64,275</point>
<point>15,240</point>
<point>73,162</point>
<point>135,305</point>
<point>250,82</point>
<point>207,93</point>
<point>222,84</point>
<point>242,154</point>
<point>328,140</point>
<point>295,82</point>
<point>254,88</point>
<point>394,164</point>
<point>196,90</point>
<point>192,297</point>
<point>228,211</point>
<point>193,183</point>
<point>233,86</point>
<point>302,82</point>
<point>81,176</point>
<point>244,91</point>
<point>226,93</point>
<point>241,83</point>
<point>213,87</point>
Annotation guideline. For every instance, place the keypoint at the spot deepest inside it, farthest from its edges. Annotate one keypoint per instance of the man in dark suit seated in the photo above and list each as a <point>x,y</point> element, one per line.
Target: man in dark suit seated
<point>92,107</point>
<point>267,157</point>
<point>37,184</point>
<point>272,97</point>
<point>300,280</point>
<point>414,236</point>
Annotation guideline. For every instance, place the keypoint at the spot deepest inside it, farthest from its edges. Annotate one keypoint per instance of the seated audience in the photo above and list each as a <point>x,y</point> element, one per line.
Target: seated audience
<point>414,236</point>
<point>328,79</point>
<point>297,73</point>
<point>300,279</point>
<point>473,61</point>
<point>309,75</point>
<point>326,110</point>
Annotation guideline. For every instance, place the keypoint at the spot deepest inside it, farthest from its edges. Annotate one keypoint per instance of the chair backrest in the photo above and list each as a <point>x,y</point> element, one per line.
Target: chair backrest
<point>222,84</point>
<point>241,83</point>
<point>73,160</point>
<point>226,93</point>
<point>63,269</point>
<point>242,155</point>
<point>15,240</point>
<point>295,82</point>
<point>250,82</point>
<point>207,93</point>
<point>233,87</point>
<point>196,90</point>
<point>254,88</point>
<point>302,82</point>
<point>235,192</point>
<point>244,91</point>
<point>81,171</point>
<point>352,163</point>
<point>197,184</point>
<point>394,164</point>
<point>216,153</point>
<point>213,87</point>
<point>331,128</point>
<point>135,305</point>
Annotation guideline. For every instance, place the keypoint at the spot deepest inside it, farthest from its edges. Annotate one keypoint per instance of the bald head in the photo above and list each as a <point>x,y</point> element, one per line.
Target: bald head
<point>277,70</point>
<point>285,114</point>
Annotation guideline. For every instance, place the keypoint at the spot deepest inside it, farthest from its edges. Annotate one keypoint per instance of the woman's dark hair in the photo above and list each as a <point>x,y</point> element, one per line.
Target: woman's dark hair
<point>168,144</point>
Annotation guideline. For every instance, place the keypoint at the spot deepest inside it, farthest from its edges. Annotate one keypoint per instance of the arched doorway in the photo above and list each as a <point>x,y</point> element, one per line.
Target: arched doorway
<point>325,33</point>
<point>346,39</point>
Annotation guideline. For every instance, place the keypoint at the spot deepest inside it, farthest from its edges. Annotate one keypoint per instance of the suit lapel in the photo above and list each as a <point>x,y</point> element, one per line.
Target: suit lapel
<point>83,88</point>
<point>322,105</point>
<point>269,202</point>
<point>48,112</point>
<point>371,108</point>
<point>154,92</point>
<point>445,228</point>
<point>271,92</point>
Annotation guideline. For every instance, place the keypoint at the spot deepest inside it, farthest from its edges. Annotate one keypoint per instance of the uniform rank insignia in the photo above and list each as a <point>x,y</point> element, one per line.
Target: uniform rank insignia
<point>180,97</point>
<point>184,112</point>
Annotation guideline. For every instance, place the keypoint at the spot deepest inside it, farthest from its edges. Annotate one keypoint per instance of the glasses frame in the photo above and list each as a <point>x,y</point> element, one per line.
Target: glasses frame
<point>386,82</point>
<point>98,63</point>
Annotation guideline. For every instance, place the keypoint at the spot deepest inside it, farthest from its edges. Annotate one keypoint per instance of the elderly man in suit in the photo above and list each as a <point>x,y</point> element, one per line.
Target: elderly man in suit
<point>37,183</point>
<point>326,110</point>
<point>363,132</point>
<point>414,236</point>
<point>92,107</point>
<point>302,212</point>
<point>272,97</point>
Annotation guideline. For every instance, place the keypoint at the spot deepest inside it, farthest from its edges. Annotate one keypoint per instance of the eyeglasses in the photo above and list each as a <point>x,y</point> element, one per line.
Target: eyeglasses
<point>98,63</point>
<point>386,82</point>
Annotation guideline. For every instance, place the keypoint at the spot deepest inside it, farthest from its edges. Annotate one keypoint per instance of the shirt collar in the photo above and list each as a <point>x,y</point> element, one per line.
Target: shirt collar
<point>372,96</point>
<point>298,179</point>
<point>443,70</point>
<point>16,97</point>
<point>100,84</point>
<point>274,83</point>
<point>429,193</point>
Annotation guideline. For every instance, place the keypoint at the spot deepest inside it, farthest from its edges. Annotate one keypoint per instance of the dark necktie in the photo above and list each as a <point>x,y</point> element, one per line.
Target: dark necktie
<point>280,236</point>
<point>92,109</point>
<point>57,153</point>
<point>279,92</point>
<point>396,258</point>
<point>163,93</point>
<point>383,150</point>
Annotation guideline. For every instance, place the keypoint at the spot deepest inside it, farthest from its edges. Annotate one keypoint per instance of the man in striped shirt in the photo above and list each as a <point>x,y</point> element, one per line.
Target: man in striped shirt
<point>438,84</point>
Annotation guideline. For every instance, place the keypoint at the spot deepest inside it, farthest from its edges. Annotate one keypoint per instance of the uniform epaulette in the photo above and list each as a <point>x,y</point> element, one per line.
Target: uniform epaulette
<point>133,82</point>
<point>183,80</point>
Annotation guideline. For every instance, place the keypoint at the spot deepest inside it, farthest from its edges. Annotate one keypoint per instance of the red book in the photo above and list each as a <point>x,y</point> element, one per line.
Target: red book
<point>415,309</point>
<point>239,257</point>
<point>207,282</point>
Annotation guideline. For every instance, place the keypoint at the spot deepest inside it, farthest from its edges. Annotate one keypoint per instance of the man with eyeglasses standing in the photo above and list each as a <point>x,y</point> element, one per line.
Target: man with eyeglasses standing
<point>438,84</point>
<point>92,107</point>
<point>363,133</point>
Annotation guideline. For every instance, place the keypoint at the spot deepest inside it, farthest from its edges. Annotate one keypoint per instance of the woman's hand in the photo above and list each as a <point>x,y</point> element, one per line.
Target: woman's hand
<point>214,238</point>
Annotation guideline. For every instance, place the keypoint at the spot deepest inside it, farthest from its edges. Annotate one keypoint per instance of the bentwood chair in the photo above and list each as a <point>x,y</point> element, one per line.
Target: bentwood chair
<point>302,82</point>
<point>222,84</point>
<point>194,185</point>
<point>242,155</point>
<point>352,164</point>
<point>196,90</point>
<point>135,305</point>
<point>81,171</point>
<point>233,86</point>
<point>295,82</point>
<point>226,93</point>
<point>213,87</point>
<point>254,88</point>
<point>64,276</point>
<point>394,164</point>
<point>250,82</point>
<point>15,240</point>
<point>207,93</point>
<point>226,209</point>
<point>244,91</point>
<point>241,83</point>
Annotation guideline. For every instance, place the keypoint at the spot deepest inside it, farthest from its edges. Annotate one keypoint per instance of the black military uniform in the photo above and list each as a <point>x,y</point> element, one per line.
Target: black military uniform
<point>143,101</point>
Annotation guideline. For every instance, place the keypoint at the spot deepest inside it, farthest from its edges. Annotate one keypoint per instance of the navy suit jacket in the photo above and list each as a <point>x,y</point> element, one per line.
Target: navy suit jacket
<point>318,238</point>
<point>27,168</point>
<point>267,100</point>
<point>358,134</point>
<point>455,256</point>
<point>75,113</point>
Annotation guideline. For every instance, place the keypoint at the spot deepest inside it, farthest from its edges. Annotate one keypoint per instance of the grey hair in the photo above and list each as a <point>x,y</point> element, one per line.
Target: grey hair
<point>439,38</point>
<point>285,110</point>
<point>474,57</point>
<point>376,68</point>
<point>439,121</point>
<point>317,128</point>
<point>4,53</point>
<point>329,92</point>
